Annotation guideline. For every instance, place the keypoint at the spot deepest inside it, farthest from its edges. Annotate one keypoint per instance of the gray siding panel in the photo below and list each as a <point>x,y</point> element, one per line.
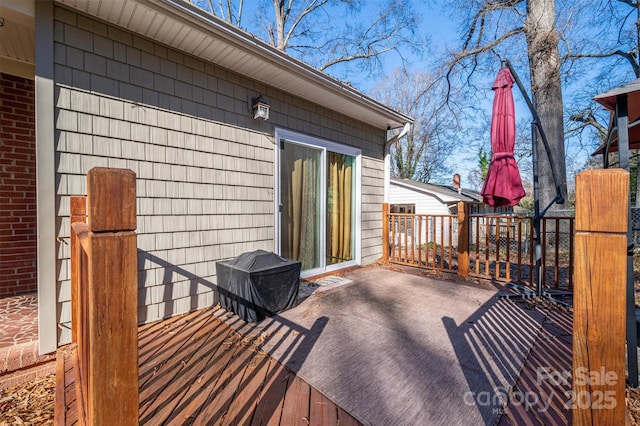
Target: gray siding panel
<point>205,168</point>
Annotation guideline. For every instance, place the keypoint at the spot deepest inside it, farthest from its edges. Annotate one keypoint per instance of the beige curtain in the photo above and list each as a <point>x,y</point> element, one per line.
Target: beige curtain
<point>300,213</point>
<point>339,208</point>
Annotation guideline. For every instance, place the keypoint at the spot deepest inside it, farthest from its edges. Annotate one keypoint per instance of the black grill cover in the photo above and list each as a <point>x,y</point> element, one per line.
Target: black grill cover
<point>258,284</point>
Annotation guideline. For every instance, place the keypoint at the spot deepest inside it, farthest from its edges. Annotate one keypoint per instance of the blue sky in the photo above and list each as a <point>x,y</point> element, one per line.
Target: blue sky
<point>444,32</point>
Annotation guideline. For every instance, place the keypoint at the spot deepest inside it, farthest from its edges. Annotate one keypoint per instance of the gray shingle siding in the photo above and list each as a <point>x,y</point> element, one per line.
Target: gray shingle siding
<point>205,168</point>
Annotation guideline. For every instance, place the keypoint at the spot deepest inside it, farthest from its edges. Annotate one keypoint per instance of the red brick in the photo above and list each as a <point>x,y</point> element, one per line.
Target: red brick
<point>27,138</point>
<point>16,253</point>
<point>18,256</point>
<point>15,91</point>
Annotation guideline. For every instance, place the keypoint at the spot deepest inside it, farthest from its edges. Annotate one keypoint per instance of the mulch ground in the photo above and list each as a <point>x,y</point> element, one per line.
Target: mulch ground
<point>633,406</point>
<point>30,403</point>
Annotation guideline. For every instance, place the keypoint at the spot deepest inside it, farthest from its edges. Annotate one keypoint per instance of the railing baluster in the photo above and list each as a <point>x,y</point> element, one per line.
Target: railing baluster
<point>413,239</point>
<point>477,246</point>
<point>436,249</point>
<point>396,238</point>
<point>450,218</point>
<point>571,254</point>
<point>441,242</point>
<point>487,230</point>
<point>519,279</point>
<point>543,272</point>
<point>508,260</point>
<point>420,239</point>
<point>434,241</point>
<point>497,250</point>
<point>557,254</point>
<point>406,253</point>
<point>390,238</point>
<point>531,248</point>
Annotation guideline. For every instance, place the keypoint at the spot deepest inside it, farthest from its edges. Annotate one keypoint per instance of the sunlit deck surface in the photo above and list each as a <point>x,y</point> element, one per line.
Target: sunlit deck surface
<point>541,394</point>
<point>391,347</point>
<point>195,369</point>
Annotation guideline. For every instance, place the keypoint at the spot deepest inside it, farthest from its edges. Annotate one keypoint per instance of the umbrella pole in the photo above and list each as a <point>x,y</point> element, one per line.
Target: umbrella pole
<point>537,272</point>
<point>545,143</point>
<point>524,292</point>
<point>536,126</point>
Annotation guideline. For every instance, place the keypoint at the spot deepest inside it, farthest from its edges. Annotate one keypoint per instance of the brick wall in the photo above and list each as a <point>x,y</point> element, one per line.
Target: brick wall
<point>18,256</point>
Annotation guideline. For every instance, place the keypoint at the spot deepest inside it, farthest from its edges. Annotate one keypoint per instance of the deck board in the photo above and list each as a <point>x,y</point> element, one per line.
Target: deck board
<point>322,409</point>
<point>224,391</point>
<point>244,403</point>
<point>167,367</point>
<point>168,403</point>
<point>269,406</point>
<point>550,357</point>
<point>151,336</point>
<point>168,343</point>
<point>195,369</point>
<point>345,419</point>
<point>296,404</point>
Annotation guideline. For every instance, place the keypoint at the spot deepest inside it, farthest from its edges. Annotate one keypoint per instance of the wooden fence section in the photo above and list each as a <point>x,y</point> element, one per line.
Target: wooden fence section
<point>598,394</point>
<point>423,240</point>
<point>104,298</point>
<point>496,247</point>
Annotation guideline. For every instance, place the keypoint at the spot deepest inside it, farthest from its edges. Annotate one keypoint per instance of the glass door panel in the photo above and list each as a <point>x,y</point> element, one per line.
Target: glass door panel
<point>300,198</point>
<point>340,211</point>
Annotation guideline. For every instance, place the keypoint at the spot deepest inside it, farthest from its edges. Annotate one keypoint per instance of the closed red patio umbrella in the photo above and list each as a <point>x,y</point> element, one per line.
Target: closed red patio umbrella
<point>503,185</point>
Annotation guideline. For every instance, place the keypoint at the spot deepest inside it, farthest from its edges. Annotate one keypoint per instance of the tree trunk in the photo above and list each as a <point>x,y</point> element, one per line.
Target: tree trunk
<point>544,64</point>
<point>281,18</point>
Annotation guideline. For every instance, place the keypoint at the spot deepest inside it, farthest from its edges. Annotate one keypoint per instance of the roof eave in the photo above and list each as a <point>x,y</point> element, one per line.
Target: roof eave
<point>444,198</point>
<point>339,96</point>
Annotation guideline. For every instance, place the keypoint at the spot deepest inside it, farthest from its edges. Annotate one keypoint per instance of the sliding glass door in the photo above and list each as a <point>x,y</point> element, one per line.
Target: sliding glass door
<point>318,209</point>
<point>339,208</point>
<point>299,208</point>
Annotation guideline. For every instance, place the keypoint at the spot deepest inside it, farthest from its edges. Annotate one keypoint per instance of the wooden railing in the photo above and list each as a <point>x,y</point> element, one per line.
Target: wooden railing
<point>105,298</point>
<point>502,248</point>
<point>423,240</point>
<point>496,247</point>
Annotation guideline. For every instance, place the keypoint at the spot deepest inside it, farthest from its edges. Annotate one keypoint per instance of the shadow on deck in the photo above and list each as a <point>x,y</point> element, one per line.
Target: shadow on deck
<point>195,369</point>
<point>377,349</point>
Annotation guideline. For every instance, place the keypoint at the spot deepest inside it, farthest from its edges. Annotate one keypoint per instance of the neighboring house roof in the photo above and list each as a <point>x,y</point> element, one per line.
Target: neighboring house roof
<point>446,194</point>
<point>191,30</point>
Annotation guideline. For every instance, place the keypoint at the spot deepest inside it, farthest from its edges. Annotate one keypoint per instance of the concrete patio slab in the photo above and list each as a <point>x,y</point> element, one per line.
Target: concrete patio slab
<point>394,348</point>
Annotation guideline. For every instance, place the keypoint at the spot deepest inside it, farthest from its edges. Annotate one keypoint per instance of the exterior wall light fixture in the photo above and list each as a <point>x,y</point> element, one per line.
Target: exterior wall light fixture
<point>260,108</point>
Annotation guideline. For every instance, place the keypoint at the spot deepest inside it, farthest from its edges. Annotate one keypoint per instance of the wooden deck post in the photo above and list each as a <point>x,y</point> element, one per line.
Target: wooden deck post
<point>385,232</point>
<point>113,298</point>
<point>598,395</point>
<point>104,275</point>
<point>463,239</point>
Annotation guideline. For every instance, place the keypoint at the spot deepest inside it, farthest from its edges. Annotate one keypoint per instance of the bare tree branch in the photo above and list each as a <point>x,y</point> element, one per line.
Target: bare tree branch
<point>587,119</point>
<point>488,46</point>
<point>630,3</point>
<point>364,55</point>
<point>629,56</point>
<point>224,11</point>
<point>480,16</point>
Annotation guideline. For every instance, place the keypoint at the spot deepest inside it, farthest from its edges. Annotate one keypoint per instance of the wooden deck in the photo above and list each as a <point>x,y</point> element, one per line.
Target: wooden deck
<point>195,369</point>
<point>541,395</point>
<point>201,368</point>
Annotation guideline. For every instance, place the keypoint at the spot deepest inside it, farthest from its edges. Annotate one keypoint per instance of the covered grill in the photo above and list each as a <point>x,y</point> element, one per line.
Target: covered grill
<point>258,284</point>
